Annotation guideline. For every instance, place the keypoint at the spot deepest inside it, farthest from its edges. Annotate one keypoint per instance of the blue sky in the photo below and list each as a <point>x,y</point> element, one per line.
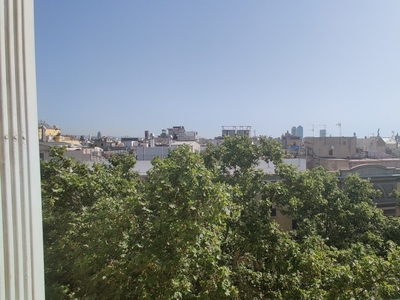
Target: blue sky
<point>122,67</point>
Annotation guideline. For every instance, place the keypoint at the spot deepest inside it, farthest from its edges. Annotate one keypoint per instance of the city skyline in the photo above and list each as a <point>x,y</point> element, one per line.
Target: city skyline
<point>310,131</point>
<point>132,66</point>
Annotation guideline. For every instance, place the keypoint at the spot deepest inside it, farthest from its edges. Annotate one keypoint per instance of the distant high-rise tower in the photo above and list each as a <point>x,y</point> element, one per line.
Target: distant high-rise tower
<point>293,131</point>
<point>322,133</point>
<point>99,135</point>
<point>299,131</point>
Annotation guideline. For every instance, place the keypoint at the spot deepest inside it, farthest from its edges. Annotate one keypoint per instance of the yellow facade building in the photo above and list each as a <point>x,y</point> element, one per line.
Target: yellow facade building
<point>47,133</point>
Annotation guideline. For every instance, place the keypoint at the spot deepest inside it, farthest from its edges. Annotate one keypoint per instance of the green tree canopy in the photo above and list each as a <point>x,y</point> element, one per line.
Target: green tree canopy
<point>199,227</point>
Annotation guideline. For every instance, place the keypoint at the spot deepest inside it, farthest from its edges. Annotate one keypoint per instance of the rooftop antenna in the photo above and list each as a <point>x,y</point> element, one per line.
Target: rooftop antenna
<point>312,129</point>
<point>340,128</point>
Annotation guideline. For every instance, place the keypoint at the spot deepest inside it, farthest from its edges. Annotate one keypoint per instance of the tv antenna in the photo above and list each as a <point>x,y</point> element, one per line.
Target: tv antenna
<point>312,129</point>
<point>340,128</point>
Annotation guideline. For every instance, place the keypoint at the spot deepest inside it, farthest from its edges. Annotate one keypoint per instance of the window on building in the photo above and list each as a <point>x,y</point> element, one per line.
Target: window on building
<point>294,224</point>
<point>273,211</point>
<point>389,212</point>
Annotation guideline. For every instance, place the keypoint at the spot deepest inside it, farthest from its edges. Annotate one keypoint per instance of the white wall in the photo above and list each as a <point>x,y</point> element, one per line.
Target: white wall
<point>148,153</point>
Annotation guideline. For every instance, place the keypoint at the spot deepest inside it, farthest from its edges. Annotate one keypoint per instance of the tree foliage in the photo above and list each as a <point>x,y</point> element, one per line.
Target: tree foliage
<point>199,227</point>
<point>341,215</point>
